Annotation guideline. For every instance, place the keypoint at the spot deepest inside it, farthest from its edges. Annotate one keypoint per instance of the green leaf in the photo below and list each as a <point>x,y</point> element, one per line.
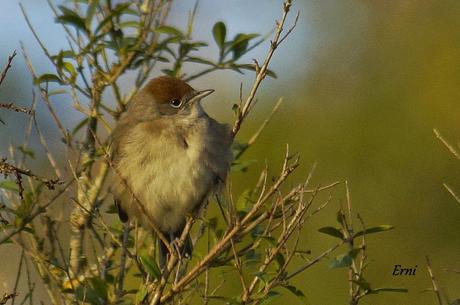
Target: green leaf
<point>251,258</point>
<point>56,92</point>
<point>341,218</point>
<point>381,228</point>
<point>169,30</point>
<point>112,209</point>
<point>242,166</point>
<point>129,24</point>
<point>252,67</point>
<point>257,231</point>
<point>332,232</point>
<point>9,185</point>
<point>168,72</point>
<point>199,60</point>
<point>141,294</point>
<point>72,18</point>
<point>270,239</point>
<point>235,108</point>
<point>341,261</point>
<point>243,201</point>
<point>363,284</point>
<point>150,265</point>
<point>69,68</point>
<point>262,276</point>
<point>270,297</point>
<point>377,290</point>
<point>48,77</point>
<point>354,252</point>
<point>90,11</point>
<point>219,31</point>
<point>280,260</point>
<point>298,293</point>
<point>115,12</point>
<point>100,287</point>
<point>64,54</point>
<point>26,152</point>
<point>240,44</point>
<point>88,295</point>
<point>237,147</point>
<point>80,125</point>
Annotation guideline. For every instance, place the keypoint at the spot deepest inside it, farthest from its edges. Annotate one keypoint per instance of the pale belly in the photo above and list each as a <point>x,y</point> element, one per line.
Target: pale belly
<point>171,186</point>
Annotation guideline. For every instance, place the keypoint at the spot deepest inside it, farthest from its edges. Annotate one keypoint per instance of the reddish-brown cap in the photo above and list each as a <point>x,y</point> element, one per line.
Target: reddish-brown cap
<point>166,88</point>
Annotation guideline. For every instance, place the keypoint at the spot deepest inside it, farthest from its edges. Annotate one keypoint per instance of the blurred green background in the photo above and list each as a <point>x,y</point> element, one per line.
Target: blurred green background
<point>365,83</point>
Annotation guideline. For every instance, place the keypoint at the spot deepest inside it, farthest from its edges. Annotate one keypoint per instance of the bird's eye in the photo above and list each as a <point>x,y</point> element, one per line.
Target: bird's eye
<point>175,103</point>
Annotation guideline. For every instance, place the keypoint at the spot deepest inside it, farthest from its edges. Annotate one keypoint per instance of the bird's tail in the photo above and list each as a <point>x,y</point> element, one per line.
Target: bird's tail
<point>121,213</point>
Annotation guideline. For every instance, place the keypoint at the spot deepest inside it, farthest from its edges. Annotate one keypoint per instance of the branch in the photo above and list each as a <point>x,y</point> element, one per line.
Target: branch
<point>11,106</point>
<point>446,144</point>
<point>433,281</point>
<point>8,169</point>
<point>7,67</point>
<point>313,262</point>
<point>261,72</point>
<point>452,192</point>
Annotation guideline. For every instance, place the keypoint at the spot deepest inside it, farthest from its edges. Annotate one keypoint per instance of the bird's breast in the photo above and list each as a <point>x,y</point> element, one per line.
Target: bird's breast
<point>172,169</point>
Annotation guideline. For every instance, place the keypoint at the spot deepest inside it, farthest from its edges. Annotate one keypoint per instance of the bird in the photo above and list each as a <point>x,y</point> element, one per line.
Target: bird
<point>169,156</point>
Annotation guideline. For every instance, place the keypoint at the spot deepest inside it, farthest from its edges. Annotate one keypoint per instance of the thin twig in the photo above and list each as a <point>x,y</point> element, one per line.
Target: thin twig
<point>9,169</point>
<point>452,192</point>
<point>262,72</point>
<point>446,144</point>
<point>7,67</point>
<point>11,106</point>
<point>314,261</point>
<point>45,97</point>
<point>18,277</point>
<point>433,281</point>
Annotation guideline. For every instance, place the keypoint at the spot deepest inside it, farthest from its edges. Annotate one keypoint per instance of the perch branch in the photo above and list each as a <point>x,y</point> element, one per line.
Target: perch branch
<point>262,71</point>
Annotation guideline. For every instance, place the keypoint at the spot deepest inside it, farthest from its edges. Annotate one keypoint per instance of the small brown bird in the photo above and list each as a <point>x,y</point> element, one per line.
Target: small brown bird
<point>170,154</point>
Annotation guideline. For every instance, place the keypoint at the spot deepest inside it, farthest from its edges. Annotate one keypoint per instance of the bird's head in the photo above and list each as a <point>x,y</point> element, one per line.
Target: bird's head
<point>169,96</point>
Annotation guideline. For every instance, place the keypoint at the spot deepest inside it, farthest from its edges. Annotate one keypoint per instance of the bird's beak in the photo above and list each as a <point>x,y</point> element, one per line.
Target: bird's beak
<point>200,95</point>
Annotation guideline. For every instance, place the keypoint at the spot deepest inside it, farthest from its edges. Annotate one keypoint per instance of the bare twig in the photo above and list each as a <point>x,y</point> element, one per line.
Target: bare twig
<point>452,270</point>
<point>45,97</point>
<point>262,72</point>
<point>11,106</point>
<point>446,144</point>
<point>7,67</point>
<point>9,169</point>
<point>452,192</point>
<point>18,277</point>
<point>314,261</point>
<point>433,281</point>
